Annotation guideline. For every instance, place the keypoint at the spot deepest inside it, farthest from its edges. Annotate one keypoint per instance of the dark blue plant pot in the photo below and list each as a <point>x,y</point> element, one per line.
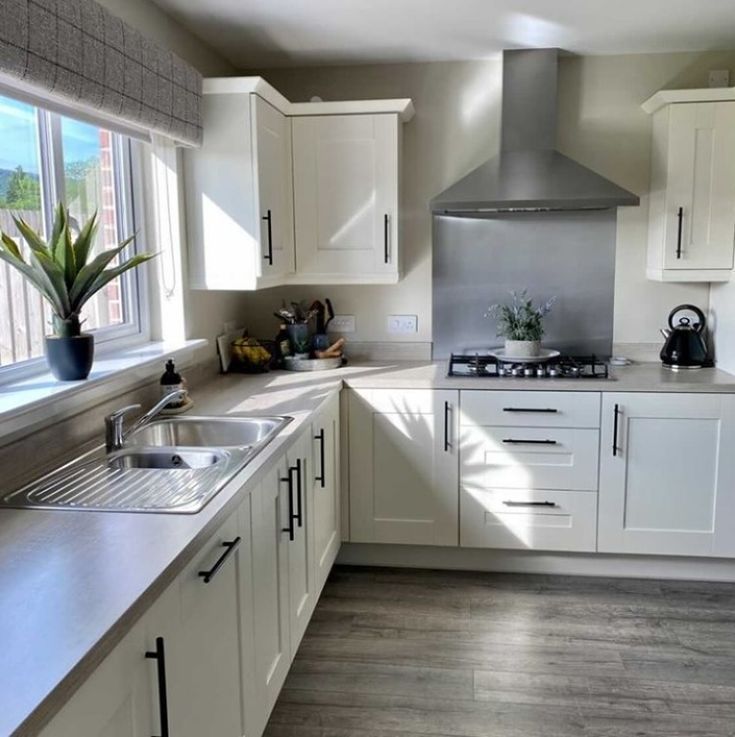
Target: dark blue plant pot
<point>70,359</point>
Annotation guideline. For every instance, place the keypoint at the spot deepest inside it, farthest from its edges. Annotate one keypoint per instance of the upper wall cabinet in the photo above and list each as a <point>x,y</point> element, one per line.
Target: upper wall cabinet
<point>239,202</point>
<point>346,171</point>
<point>241,191</point>
<point>692,201</point>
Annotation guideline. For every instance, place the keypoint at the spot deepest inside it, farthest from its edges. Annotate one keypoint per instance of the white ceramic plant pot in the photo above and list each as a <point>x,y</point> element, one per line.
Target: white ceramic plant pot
<point>522,348</point>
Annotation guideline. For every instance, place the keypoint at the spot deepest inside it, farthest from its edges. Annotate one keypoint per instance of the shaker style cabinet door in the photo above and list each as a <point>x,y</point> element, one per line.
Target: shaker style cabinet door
<point>272,165</point>
<point>239,200</point>
<point>325,475</point>
<point>302,585</point>
<point>271,615</point>
<point>203,657</point>
<point>346,198</point>
<point>667,474</point>
<point>123,697</point>
<point>692,201</point>
<point>404,467</point>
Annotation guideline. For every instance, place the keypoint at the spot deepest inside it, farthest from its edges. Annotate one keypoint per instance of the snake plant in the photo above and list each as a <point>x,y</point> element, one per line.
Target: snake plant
<point>63,268</point>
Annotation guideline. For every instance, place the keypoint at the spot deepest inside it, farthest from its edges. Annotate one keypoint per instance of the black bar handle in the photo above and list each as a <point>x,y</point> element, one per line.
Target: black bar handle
<point>680,216</point>
<point>299,509</point>
<point>290,529</point>
<point>159,655</point>
<point>447,410</point>
<point>616,414</point>
<point>322,477</point>
<point>386,233</point>
<point>529,504</point>
<point>514,441</point>
<point>269,256</point>
<point>547,410</point>
<point>230,547</point>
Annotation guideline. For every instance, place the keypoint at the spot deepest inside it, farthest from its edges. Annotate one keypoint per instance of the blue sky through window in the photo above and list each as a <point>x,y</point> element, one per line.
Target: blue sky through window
<point>19,139</point>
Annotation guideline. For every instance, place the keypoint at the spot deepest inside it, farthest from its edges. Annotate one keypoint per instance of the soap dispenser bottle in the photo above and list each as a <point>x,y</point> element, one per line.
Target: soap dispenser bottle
<point>171,381</point>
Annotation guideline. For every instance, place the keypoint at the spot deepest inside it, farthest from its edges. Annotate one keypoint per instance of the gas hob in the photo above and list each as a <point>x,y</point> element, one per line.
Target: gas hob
<point>482,365</point>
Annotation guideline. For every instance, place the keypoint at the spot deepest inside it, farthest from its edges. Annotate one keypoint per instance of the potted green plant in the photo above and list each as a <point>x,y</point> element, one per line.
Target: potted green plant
<point>521,324</point>
<point>67,275</point>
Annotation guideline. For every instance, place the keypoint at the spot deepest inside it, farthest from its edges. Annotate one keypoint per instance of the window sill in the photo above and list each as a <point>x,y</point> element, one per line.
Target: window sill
<point>41,399</point>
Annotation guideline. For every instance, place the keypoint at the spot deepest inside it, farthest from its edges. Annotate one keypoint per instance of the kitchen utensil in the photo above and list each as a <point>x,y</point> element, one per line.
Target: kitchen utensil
<point>318,309</point>
<point>330,313</point>
<point>685,347</point>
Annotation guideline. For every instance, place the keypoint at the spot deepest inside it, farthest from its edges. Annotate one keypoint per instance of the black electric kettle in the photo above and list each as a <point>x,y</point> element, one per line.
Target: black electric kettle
<point>685,347</point>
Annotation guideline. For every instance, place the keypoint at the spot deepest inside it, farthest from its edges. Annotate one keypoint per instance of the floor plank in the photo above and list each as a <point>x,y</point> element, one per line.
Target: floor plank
<point>404,652</point>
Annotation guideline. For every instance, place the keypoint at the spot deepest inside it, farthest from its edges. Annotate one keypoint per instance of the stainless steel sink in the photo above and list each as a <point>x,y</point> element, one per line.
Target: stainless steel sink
<point>173,465</point>
<point>207,432</point>
<point>169,458</point>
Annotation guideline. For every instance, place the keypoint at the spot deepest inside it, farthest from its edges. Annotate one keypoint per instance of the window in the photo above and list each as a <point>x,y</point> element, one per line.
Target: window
<point>46,158</point>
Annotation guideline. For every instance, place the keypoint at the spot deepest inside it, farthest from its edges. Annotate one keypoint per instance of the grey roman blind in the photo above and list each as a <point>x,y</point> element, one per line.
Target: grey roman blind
<point>78,51</point>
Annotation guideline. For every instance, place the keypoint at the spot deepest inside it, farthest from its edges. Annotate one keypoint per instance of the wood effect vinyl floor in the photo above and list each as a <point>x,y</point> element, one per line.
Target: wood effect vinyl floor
<point>403,653</point>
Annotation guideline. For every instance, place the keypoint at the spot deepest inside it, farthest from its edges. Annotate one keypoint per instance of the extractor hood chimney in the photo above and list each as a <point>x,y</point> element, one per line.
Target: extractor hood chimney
<point>529,174</point>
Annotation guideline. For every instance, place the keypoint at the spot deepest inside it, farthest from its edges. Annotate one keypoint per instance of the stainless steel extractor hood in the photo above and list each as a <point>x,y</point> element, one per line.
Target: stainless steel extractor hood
<point>529,174</point>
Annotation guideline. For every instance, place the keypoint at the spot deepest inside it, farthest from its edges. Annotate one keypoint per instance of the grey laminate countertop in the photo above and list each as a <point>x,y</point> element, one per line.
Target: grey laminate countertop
<point>73,583</point>
<point>641,377</point>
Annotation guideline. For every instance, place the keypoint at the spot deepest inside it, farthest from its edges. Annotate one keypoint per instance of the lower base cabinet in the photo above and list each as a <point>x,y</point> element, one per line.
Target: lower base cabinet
<point>326,471</point>
<point>667,474</point>
<point>528,519</point>
<point>270,586</point>
<point>211,655</point>
<point>404,467</point>
<point>301,566</point>
<point>203,662</point>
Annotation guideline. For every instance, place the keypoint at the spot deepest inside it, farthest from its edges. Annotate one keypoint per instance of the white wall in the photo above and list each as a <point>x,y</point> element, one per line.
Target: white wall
<point>456,128</point>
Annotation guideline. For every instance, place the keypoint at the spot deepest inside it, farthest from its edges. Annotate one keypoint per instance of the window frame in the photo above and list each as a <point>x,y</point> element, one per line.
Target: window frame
<point>127,157</point>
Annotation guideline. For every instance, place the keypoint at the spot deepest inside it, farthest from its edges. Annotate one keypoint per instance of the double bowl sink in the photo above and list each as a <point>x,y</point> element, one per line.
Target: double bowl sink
<point>173,465</point>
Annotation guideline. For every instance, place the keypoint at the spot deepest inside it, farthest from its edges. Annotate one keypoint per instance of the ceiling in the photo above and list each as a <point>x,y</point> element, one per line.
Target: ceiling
<point>269,33</point>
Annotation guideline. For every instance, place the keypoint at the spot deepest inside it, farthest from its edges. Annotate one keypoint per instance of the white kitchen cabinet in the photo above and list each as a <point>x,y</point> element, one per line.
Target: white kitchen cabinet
<point>302,584</point>
<point>122,696</point>
<point>116,700</point>
<point>667,474</point>
<point>239,200</point>
<point>346,182</point>
<point>529,457</point>
<point>527,519</point>
<point>202,653</point>
<point>271,608</point>
<point>692,199</point>
<point>326,489</point>
<point>403,454</point>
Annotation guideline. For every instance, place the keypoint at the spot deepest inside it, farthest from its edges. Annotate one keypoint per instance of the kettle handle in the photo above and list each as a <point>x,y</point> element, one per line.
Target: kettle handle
<point>699,326</point>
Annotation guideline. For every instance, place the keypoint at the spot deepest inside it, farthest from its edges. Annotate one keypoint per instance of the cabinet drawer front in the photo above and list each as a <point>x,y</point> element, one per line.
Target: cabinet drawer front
<point>530,408</point>
<point>529,458</point>
<point>528,520</point>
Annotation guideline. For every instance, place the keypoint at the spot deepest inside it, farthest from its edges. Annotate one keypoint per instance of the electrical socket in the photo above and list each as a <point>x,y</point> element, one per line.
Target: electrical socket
<point>403,324</point>
<point>342,324</point>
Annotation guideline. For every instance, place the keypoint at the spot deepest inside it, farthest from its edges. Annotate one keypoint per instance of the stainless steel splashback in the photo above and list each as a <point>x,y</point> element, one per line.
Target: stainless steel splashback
<point>479,261</point>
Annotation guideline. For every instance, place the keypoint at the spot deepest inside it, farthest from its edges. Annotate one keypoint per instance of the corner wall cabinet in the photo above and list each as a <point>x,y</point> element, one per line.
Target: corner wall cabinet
<point>293,193</point>
<point>346,171</point>
<point>692,200</point>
